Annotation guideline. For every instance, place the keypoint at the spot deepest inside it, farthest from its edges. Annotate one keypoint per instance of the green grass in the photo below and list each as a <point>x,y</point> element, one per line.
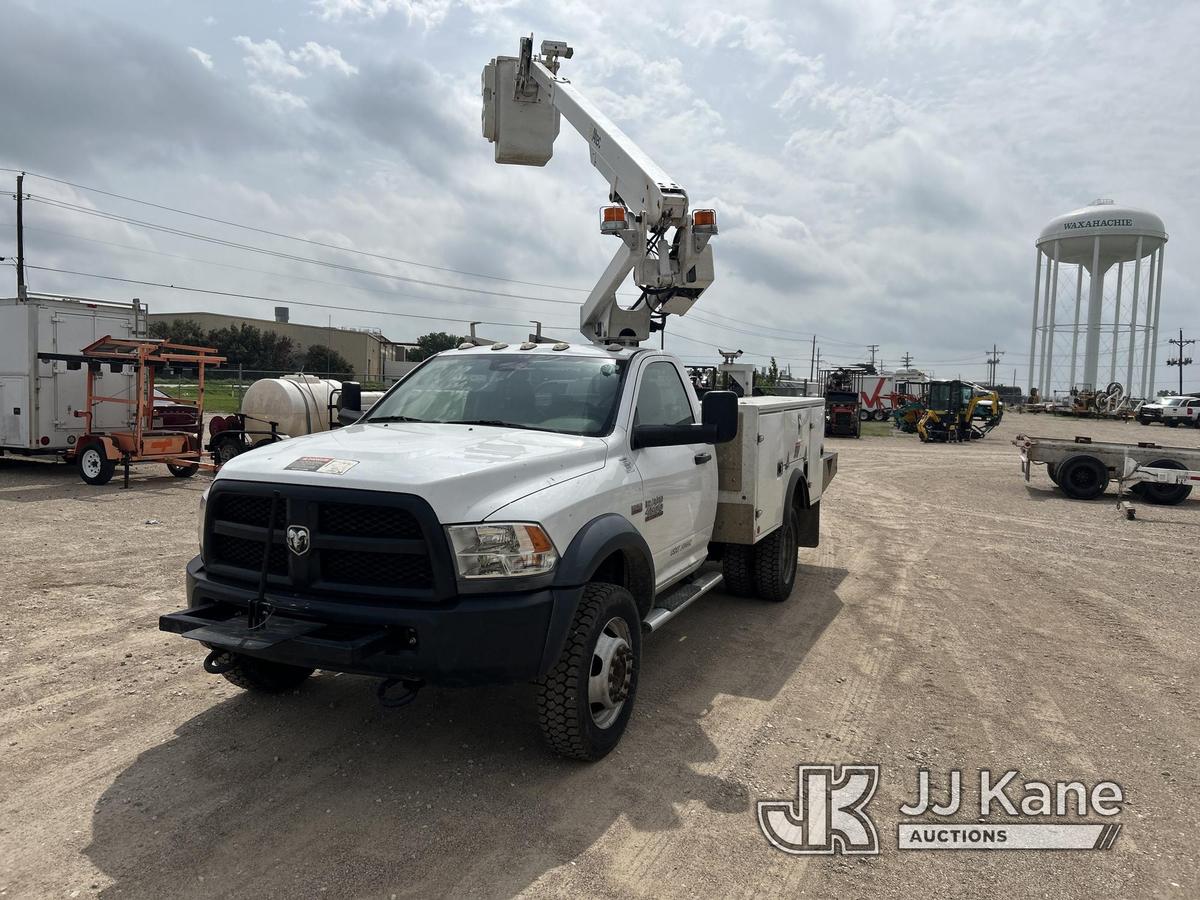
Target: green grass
<point>219,396</point>
<point>877,429</point>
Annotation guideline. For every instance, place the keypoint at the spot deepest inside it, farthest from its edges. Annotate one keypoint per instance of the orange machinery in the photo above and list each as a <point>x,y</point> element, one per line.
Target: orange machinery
<point>98,453</point>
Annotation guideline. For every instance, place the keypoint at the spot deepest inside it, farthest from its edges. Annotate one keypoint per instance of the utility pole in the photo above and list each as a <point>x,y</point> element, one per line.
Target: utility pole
<point>1180,360</point>
<point>872,348</point>
<point>21,289</point>
<point>907,360</point>
<point>993,360</point>
<point>812,368</point>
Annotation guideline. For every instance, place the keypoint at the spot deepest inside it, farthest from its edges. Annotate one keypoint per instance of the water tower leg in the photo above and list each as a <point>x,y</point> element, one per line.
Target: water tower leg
<point>1137,283</point>
<point>1033,329</point>
<point>1154,328</point>
<point>1146,330</point>
<point>1091,347</point>
<point>1112,366</point>
<point>1048,337</point>
<point>1075,329</point>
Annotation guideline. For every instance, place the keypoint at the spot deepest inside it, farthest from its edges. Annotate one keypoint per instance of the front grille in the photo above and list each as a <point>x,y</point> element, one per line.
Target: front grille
<point>361,543</point>
<point>248,509</point>
<point>248,554</point>
<point>382,569</point>
<point>358,520</point>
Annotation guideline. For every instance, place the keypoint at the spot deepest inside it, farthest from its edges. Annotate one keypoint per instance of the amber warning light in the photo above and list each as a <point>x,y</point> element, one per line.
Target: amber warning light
<point>704,221</point>
<point>612,219</point>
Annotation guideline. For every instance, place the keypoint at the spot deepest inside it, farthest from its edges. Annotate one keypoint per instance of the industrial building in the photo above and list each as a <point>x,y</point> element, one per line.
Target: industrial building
<point>373,356</point>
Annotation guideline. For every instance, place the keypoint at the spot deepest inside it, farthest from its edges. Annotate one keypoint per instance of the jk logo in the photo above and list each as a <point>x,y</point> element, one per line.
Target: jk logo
<point>828,815</point>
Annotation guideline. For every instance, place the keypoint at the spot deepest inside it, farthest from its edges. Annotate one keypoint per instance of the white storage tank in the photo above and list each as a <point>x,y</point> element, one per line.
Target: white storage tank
<point>299,403</point>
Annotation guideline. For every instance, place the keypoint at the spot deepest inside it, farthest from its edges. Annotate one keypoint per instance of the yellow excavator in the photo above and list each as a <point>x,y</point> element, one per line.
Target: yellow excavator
<point>957,411</point>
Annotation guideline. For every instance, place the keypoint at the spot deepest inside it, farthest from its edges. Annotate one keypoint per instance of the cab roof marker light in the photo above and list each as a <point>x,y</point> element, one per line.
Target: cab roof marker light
<point>499,345</point>
<point>561,345</point>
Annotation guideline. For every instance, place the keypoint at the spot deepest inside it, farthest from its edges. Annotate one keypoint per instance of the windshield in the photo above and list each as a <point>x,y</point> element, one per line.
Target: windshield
<point>565,394</point>
<point>1174,401</point>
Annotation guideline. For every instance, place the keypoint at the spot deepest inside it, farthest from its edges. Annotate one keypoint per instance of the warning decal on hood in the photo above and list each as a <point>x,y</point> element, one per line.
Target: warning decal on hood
<point>326,465</point>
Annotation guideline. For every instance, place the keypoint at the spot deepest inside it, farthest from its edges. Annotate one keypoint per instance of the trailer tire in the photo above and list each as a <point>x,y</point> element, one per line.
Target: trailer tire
<point>1052,471</point>
<point>738,567</point>
<point>94,465</point>
<point>183,471</point>
<point>262,676</point>
<point>1164,494</point>
<point>1082,477</point>
<point>225,447</point>
<point>864,415</point>
<point>775,561</point>
<point>606,634</point>
<point>881,415</point>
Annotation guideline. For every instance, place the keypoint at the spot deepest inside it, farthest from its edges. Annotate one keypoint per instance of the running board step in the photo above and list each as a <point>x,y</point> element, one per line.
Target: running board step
<point>679,598</point>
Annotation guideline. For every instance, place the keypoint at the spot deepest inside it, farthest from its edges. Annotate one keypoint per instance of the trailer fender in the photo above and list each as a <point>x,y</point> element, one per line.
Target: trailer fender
<point>103,441</point>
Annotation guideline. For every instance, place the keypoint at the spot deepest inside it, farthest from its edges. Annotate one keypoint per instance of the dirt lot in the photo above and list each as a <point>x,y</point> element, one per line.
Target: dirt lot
<point>952,617</point>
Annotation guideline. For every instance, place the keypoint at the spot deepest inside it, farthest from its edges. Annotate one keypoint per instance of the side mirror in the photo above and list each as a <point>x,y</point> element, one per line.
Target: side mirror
<point>719,413</point>
<point>350,403</point>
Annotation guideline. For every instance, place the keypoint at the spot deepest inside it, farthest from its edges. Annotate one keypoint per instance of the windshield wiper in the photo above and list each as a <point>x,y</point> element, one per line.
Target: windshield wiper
<point>492,422</point>
<point>394,419</point>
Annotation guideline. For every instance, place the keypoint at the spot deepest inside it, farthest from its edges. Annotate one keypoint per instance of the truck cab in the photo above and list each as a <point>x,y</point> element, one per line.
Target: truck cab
<point>499,515</point>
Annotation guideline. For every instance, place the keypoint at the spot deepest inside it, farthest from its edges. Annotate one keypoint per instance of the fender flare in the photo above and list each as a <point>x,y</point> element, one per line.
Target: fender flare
<point>593,543</point>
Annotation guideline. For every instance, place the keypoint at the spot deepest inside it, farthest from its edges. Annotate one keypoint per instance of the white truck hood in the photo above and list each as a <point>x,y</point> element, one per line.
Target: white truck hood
<point>464,472</point>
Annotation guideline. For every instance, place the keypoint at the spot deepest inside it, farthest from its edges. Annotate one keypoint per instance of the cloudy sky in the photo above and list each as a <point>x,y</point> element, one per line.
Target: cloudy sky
<point>880,169</point>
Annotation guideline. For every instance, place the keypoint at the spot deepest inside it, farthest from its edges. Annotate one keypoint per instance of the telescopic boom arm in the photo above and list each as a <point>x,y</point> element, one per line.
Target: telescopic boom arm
<point>523,99</point>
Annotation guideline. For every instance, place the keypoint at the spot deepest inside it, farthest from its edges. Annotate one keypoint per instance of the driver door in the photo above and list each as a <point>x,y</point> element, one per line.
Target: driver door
<point>679,484</point>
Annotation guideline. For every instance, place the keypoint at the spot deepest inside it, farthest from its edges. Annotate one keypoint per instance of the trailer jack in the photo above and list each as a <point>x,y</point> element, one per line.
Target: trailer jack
<point>396,701</point>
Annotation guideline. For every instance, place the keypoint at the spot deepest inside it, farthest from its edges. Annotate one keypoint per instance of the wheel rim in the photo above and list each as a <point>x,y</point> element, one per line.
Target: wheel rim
<point>611,672</point>
<point>1083,478</point>
<point>90,462</point>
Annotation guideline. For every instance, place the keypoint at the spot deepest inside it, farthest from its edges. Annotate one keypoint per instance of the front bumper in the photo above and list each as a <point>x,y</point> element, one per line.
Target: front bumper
<point>491,638</point>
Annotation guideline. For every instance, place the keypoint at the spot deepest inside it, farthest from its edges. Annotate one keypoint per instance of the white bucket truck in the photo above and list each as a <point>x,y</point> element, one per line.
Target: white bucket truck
<point>519,512</point>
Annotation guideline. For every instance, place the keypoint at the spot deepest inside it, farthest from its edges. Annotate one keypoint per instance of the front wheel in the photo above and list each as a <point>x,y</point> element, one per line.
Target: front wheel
<point>585,701</point>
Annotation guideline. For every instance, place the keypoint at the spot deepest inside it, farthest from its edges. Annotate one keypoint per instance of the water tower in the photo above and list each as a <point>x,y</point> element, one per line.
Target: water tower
<point>1084,246</point>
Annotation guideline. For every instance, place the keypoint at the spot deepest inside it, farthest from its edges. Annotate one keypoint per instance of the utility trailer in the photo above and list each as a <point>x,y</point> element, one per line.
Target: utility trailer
<point>39,399</point>
<point>1082,468</point>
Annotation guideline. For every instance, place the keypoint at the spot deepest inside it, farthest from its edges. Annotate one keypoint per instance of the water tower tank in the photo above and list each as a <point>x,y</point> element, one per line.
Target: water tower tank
<point>1121,306</point>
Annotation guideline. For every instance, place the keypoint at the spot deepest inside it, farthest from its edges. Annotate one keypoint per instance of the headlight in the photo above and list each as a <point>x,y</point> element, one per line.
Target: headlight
<point>203,506</point>
<point>501,551</point>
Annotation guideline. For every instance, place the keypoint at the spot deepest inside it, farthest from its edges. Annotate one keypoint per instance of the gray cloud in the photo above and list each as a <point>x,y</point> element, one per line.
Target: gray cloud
<point>83,92</point>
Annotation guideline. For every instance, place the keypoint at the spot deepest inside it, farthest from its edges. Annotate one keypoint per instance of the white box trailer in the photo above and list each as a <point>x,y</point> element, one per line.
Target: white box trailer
<point>38,399</point>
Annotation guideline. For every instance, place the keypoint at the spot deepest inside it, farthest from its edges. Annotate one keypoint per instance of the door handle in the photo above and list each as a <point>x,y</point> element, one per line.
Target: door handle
<point>702,458</point>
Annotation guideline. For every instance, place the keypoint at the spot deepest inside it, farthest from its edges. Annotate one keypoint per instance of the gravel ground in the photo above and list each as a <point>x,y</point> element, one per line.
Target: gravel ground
<point>953,617</point>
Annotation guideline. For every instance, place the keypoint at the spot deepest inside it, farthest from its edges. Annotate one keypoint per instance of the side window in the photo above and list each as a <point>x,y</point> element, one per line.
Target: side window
<point>662,399</point>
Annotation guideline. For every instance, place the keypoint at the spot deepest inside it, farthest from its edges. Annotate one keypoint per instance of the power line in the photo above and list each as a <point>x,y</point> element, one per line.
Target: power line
<point>291,237</point>
<point>1180,360</point>
<point>267,299</point>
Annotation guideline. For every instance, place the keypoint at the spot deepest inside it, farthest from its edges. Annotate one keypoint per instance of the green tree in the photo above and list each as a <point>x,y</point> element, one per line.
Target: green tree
<point>434,342</point>
<point>180,331</point>
<point>321,360</point>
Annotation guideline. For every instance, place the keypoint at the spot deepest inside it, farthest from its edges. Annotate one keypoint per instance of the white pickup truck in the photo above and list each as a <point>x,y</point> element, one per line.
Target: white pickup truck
<point>519,513</point>
<point>505,514</point>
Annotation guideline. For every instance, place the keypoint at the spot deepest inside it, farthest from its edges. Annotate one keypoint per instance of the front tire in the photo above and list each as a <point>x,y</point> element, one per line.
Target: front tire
<point>94,466</point>
<point>261,676</point>
<point>585,701</point>
<point>775,561</point>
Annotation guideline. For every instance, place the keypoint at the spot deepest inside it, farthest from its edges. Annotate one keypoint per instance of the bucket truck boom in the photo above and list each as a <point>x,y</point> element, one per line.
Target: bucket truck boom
<point>523,100</point>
